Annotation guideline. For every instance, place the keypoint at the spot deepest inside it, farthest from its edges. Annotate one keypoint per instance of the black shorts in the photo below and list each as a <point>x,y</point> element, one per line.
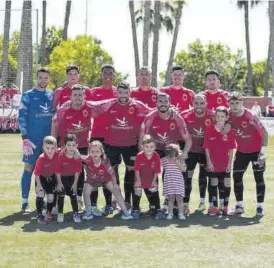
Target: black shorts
<point>115,154</point>
<point>193,159</point>
<point>81,180</point>
<point>67,182</point>
<point>48,184</point>
<point>96,184</point>
<point>242,161</point>
<point>219,175</point>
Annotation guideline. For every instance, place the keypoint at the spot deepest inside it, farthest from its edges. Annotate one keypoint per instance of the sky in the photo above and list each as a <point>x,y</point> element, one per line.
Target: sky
<point>109,21</point>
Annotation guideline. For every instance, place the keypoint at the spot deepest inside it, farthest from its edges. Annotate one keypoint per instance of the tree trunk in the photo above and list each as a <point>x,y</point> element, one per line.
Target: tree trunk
<point>6,38</point>
<point>66,23</point>
<point>251,90</point>
<point>156,30</point>
<point>44,33</point>
<point>271,40</point>
<point>146,32</point>
<point>25,50</point>
<point>267,67</point>
<point>134,37</point>
<point>174,42</point>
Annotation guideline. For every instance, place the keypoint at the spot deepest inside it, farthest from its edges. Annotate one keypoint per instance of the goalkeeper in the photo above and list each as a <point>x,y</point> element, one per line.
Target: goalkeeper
<point>35,116</point>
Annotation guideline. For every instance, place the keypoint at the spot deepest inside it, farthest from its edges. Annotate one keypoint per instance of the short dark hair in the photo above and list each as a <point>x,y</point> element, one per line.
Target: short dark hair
<point>70,137</point>
<point>77,87</point>
<point>43,70</point>
<point>235,95</point>
<point>162,94</point>
<point>177,68</point>
<point>72,67</point>
<point>212,72</point>
<point>107,66</point>
<point>222,109</point>
<point>124,85</point>
<point>148,139</point>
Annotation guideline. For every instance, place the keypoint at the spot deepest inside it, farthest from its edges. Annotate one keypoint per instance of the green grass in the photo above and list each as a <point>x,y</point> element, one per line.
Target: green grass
<point>200,241</point>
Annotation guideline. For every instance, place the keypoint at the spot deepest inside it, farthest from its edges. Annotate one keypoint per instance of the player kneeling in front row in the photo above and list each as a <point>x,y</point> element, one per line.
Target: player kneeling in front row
<point>67,171</point>
<point>45,179</point>
<point>147,167</point>
<point>219,154</point>
<point>100,173</point>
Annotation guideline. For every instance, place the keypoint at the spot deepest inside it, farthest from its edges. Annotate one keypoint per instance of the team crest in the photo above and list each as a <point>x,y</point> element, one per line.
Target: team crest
<point>219,100</point>
<point>153,98</point>
<point>172,126</point>
<point>101,172</point>
<point>244,124</point>
<point>131,110</point>
<point>225,137</point>
<point>50,97</point>
<point>85,113</point>
<point>184,97</point>
<point>207,122</point>
<point>114,93</point>
<point>152,165</point>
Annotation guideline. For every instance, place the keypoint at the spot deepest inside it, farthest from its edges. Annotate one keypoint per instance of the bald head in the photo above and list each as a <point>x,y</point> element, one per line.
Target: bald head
<point>199,104</point>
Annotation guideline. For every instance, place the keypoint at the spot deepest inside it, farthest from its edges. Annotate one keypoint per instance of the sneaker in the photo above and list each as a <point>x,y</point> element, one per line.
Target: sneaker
<point>126,215</point>
<point>41,219</point>
<point>26,208</point>
<point>88,215</point>
<point>164,208</point>
<point>169,216</point>
<point>201,207</point>
<point>160,215</point>
<point>60,218</point>
<point>181,216</point>
<point>76,217</point>
<point>214,211</point>
<point>225,211</point>
<point>48,216</point>
<point>81,205</point>
<point>239,210</point>
<point>136,214</point>
<point>209,211</point>
<point>96,212</point>
<point>54,211</point>
<point>128,205</point>
<point>108,210</point>
<point>260,212</point>
<point>186,210</point>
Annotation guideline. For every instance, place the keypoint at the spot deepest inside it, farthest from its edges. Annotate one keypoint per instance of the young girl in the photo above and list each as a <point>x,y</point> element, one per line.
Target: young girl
<point>174,186</point>
<point>219,153</point>
<point>100,173</point>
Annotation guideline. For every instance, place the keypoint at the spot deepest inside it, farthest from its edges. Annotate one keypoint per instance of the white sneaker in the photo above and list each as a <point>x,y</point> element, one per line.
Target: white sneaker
<point>88,215</point>
<point>60,218</point>
<point>126,215</point>
<point>169,216</point>
<point>54,211</point>
<point>76,217</point>
<point>96,212</point>
<point>181,216</point>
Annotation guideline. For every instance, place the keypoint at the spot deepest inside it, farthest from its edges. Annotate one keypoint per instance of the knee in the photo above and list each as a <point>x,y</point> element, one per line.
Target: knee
<point>214,182</point>
<point>40,194</point>
<point>129,168</point>
<point>171,198</point>
<point>227,182</point>
<point>50,198</point>
<point>179,198</point>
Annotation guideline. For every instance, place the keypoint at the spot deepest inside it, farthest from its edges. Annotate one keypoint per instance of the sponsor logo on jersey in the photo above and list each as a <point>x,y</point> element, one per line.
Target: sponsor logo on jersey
<point>163,138</point>
<point>122,124</point>
<point>198,133</point>
<point>78,127</point>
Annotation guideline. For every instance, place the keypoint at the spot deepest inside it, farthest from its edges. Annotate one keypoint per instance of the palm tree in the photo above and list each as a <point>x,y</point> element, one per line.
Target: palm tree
<point>146,31</point>
<point>44,34</point>
<point>134,37</point>
<point>25,50</point>
<point>174,41</point>
<point>66,23</point>
<point>5,53</point>
<point>246,6</point>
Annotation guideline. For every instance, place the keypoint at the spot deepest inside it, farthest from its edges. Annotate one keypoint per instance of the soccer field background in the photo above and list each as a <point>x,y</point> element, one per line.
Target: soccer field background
<point>201,240</point>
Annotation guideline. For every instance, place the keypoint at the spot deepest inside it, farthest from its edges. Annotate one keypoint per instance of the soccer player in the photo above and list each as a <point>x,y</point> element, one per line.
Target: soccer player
<point>99,127</point>
<point>252,139</point>
<point>62,94</point>
<point>219,154</point>
<point>145,93</point>
<point>45,179</point>
<point>180,96</point>
<point>124,119</point>
<point>197,119</point>
<point>67,171</point>
<point>100,173</point>
<point>147,167</point>
<point>35,116</point>
<point>214,95</point>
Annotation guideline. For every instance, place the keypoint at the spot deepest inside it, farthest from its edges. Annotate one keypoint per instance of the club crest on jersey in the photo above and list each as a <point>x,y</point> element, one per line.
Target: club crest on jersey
<point>101,172</point>
<point>85,113</point>
<point>219,100</point>
<point>153,98</point>
<point>131,110</point>
<point>244,124</point>
<point>114,93</point>
<point>50,97</point>
<point>225,137</point>
<point>184,97</point>
<point>207,122</point>
<point>152,165</point>
<point>172,126</point>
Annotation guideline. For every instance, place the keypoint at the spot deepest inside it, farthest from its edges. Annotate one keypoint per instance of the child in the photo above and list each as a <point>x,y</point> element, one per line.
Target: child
<point>174,186</point>
<point>67,171</point>
<point>45,179</point>
<point>219,153</point>
<point>147,167</point>
<point>100,173</point>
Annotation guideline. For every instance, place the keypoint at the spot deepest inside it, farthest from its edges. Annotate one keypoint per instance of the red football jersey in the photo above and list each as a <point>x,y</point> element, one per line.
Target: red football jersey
<point>100,123</point>
<point>124,123</point>
<point>197,126</point>
<point>181,98</point>
<point>68,166</point>
<point>219,98</point>
<point>103,173</point>
<point>219,146</point>
<point>148,97</point>
<point>44,166</point>
<point>147,168</point>
<point>62,95</point>
<point>248,131</point>
<point>164,131</point>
